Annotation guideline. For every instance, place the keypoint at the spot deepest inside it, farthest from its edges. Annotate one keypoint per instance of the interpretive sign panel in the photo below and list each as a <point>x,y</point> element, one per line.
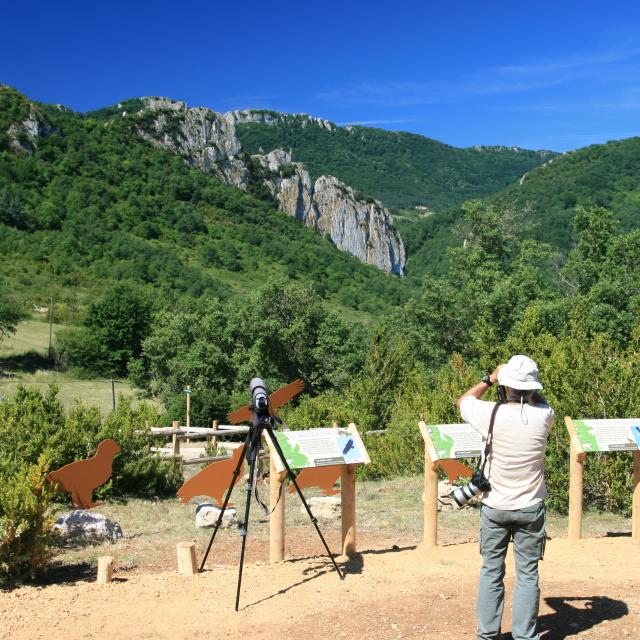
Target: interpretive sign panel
<point>608,435</point>
<point>322,447</point>
<point>455,441</point>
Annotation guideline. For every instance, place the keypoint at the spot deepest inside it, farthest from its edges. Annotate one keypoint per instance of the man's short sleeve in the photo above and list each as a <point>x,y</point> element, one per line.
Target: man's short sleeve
<point>477,413</point>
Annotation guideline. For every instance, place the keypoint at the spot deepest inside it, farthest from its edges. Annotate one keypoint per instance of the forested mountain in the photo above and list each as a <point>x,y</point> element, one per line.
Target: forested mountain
<point>85,202</point>
<point>181,279</point>
<point>541,204</point>
<point>606,175</point>
<point>400,169</point>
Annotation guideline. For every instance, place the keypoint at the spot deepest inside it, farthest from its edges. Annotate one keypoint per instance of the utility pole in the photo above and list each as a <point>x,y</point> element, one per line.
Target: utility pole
<point>50,352</point>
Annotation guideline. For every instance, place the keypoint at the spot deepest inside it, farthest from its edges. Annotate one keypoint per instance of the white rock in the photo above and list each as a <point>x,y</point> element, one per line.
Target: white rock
<point>82,527</point>
<point>207,515</point>
<point>324,507</point>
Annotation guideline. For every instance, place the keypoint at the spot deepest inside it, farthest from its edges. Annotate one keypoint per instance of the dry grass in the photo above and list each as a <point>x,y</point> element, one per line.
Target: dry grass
<point>387,510</point>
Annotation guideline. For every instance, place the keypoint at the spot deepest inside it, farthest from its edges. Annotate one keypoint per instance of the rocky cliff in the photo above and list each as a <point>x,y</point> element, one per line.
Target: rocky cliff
<point>362,228</point>
<point>208,140</point>
<point>262,116</point>
<point>23,136</point>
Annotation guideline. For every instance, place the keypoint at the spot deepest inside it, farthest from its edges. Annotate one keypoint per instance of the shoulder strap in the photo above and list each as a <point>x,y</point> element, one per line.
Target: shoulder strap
<point>487,448</point>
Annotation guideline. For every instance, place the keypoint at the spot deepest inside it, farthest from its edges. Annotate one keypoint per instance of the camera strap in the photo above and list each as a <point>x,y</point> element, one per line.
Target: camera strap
<point>487,447</point>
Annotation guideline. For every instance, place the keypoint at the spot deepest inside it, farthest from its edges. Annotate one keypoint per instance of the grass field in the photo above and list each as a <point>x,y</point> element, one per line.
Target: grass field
<point>23,360</point>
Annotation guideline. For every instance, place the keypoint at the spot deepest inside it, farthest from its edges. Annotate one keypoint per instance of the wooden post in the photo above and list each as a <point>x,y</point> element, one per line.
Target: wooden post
<point>176,442</point>
<point>214,440</point>
<point>105,569</point>
<point>430,506</point>
<point>348,505</point>
<point>635,505</point>
<point>188,407</point>
<point>276,520</point>
<point>187,558</point>
<point>576,478</point>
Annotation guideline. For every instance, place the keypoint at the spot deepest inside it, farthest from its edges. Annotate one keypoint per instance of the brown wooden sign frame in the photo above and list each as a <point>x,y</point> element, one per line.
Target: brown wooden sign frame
<point>577,457</point>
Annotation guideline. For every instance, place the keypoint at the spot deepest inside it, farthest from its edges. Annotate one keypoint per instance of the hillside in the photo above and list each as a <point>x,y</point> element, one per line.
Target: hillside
<point>85,202</point>
<point>607,175</point>
<point>399,169</point>
<point>544,199</point>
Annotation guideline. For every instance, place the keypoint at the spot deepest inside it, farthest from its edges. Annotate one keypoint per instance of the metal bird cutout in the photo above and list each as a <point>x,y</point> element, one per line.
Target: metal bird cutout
<point>80,478</point>
<point>277,399</point>
<point>213,480</point>
<point>455,469</point>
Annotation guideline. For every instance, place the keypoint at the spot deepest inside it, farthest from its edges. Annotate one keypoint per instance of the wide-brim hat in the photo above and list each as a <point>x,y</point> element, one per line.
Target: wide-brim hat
<point>520,373</point>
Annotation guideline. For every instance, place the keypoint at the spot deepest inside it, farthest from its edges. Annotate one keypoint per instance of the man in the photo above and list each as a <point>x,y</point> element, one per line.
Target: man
<point>514,507</point>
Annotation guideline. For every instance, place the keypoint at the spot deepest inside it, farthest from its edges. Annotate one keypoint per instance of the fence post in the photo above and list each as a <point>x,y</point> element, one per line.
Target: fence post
<point>214,439</point>
<point>176,441</point>
<point>186,558</point>
<point>105,569</point>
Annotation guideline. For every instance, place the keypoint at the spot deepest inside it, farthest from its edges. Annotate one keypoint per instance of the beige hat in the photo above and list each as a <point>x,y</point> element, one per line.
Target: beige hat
<point>521,373</point>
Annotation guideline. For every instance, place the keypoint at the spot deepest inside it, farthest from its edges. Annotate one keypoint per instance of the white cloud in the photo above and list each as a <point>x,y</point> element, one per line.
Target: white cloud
<point>490,81</point>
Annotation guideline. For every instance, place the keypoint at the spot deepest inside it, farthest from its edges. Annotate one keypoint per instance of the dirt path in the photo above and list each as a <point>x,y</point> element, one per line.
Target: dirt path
<point>589,590</point>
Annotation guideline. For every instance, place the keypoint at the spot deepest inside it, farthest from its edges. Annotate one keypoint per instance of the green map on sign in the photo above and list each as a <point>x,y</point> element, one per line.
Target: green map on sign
<point>293,455</point>
<point>586,436</point>
<point>443,443</point>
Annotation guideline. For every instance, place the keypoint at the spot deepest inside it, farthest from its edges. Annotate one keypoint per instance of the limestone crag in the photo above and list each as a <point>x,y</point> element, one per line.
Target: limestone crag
<point>252,115</point>
<point>204,138</point>
<point>208,140</point>
<point>362,228</point>
<point>262,116</point>
<point>290,185</point>
<point>23,136</point>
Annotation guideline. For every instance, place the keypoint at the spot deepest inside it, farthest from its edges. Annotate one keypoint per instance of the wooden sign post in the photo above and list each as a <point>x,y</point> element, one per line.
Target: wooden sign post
<point>635,504</point>
<point>589,436</point>
<point>443,443</point>
<point>187,390</point>
<point>276,506</point>
<point>324,455</point>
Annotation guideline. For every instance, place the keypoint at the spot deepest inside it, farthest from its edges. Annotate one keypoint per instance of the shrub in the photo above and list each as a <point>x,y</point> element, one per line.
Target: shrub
<point>135,471</point>
<point>26,518</point>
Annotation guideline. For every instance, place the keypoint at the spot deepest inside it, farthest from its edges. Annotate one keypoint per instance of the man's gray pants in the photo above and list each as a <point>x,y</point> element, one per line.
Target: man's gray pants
<point>526,527</point>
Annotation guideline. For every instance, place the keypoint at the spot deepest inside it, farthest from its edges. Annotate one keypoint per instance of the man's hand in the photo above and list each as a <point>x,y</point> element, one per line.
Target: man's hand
<point>478,390</point>
<point>494,375</point>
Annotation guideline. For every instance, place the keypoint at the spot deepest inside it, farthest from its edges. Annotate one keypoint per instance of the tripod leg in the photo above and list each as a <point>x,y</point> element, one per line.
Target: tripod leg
<point>292,477</point>
<point>253,453</point>
<point>226,501</point>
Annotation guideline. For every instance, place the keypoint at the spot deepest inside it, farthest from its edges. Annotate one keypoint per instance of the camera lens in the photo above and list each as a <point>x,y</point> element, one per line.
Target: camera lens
<point>463,494</point>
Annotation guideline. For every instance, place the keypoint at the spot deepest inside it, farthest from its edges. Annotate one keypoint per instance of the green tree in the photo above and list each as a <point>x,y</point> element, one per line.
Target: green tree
<point>114,328</point>
<point>10,315</point>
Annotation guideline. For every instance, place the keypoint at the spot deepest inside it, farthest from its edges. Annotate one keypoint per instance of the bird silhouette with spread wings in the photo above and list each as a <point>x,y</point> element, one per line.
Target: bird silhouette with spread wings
<point>277,399</point>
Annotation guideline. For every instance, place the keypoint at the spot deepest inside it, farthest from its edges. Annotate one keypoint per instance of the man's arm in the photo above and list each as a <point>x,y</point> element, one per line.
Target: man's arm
<point>477,391</point>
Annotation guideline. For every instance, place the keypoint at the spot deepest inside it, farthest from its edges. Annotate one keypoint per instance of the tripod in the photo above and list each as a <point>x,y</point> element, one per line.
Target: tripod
<point>250,449</point>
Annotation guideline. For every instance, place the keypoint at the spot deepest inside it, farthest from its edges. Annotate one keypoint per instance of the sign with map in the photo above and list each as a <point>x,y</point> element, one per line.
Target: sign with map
<point>321,447</point>
<point>608,435</point>
<point>455,441</point>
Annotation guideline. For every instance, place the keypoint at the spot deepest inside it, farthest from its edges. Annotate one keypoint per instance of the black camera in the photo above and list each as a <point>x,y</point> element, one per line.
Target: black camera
<point>478,483</point>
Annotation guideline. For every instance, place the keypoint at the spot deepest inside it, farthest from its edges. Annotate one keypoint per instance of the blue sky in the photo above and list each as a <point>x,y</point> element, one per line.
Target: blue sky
<point>557,75</point>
